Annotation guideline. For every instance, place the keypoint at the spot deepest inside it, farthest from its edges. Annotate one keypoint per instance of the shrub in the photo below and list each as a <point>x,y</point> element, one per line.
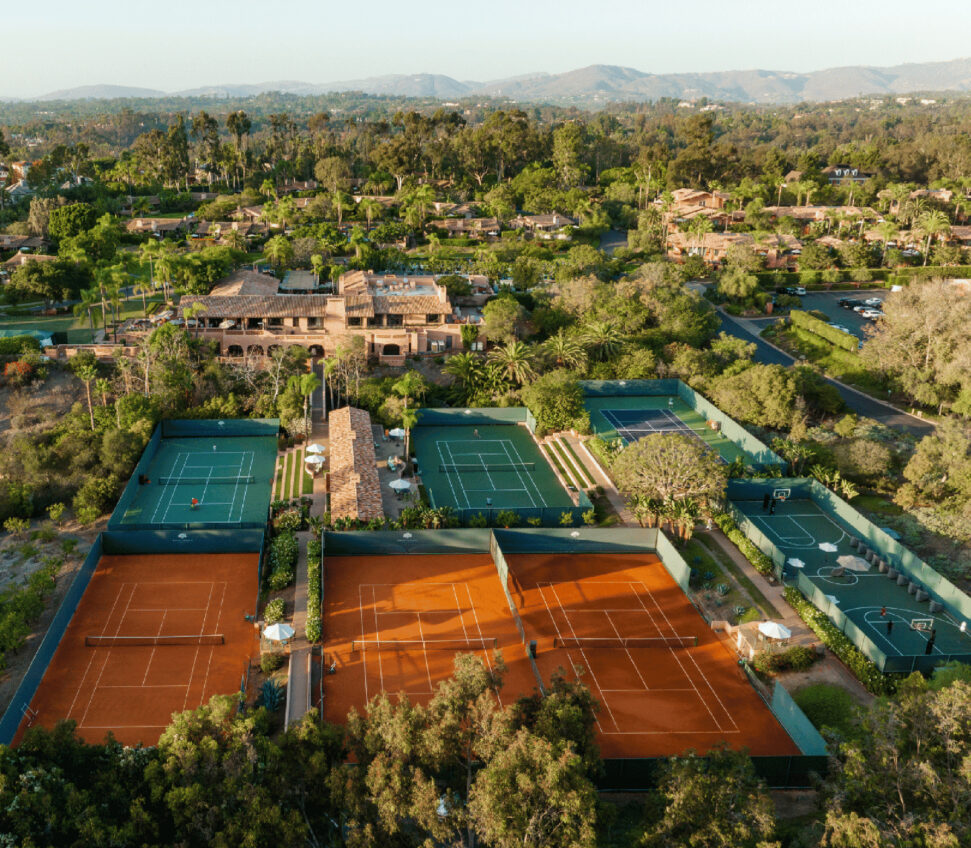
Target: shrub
<point>759,560</point>
<point>56,512</point>
<point>16,526</point>
<point>291,519</point>
<point>272,695</point>
<point>478,520</point>
<point>865,670</point>
<point>270,662</point>
<point>282,560</point>
<point>590,517</point>
<point>274,611</point>
<point>796,658</point>
<point>846,341</point>
<point>507,518</point>
<point>826,705</point>
<point>566,519</point>
<point>314,590</point>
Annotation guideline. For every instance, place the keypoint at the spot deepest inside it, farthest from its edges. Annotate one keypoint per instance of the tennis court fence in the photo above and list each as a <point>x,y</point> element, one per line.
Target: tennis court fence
<point>154,641</point>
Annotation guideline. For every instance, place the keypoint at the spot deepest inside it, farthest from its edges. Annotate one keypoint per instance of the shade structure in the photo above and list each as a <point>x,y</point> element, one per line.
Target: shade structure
<point>315,448</point>
<point>400,485</point>
<point>828,547</point>
<point>853,563</point>
<point>279,632</point>
<point>795,562</point>
<point>397,433</point>
<point>774,630</point>
<point>315,460</point>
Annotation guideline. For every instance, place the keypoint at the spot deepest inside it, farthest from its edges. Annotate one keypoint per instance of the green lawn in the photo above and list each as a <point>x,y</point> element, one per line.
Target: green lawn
<point>281,473</point>
<point>586,478</point>
<point>828,705</point>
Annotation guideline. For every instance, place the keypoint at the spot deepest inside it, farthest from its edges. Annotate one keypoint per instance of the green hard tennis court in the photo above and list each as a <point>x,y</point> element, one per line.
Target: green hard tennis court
<point>632,418</point>
<point>862,590</point>
<point>229,478</point>
<point>487,467</point>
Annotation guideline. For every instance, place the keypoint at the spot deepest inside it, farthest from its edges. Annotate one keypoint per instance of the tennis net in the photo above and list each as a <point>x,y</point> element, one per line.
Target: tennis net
<point>486,466</point>
<point>153,641</point>
<point>584,642</point>
<point>424,645</point>
<point>201,481</point>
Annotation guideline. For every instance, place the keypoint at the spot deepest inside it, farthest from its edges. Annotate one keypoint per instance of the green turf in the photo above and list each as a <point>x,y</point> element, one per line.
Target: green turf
<point>603,427</point>
<point>158,505</point>
<point>526,491</point>
<point>585,473</point>
<point>799,526</point>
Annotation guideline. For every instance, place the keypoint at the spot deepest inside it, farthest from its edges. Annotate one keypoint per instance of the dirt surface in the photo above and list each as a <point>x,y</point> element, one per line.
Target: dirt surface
<point>35,407</point>
<point>828,670</point>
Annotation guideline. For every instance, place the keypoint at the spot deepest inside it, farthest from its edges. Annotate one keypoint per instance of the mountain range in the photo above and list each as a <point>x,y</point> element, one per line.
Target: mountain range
<point>601,84</point>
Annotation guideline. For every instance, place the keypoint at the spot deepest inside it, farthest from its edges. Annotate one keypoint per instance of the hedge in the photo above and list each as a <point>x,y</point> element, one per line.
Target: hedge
<point>847,341</point>
<point>837,641</point>
<point>16,345</point>
<point>787,278</point>
<point>314,551</point>
<point>283,559</point>
<point>902,276</point>
<point>760,562</point>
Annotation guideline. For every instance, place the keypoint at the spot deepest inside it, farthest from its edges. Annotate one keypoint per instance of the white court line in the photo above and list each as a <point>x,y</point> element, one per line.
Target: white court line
<point>505,446</point>
<point>460,611</point>
<point>424,653</point>
<point>360,602</point>
<point>242,503</point>
<point>626,651</point>
<point>377,633</point>
<point>195,656</point>
<point>161,500</point>
<point>582,653</point>
<point>448,476</point>
<point>108,655</point>
<point>701,697</point>
<point>478,627</point>
<point>151,656</point>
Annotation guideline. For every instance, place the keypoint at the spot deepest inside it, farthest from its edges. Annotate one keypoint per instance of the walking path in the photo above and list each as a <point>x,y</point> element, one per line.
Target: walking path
<point>601,479</point>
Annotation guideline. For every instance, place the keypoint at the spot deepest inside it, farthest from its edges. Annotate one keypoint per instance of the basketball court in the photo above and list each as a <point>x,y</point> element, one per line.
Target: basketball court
<point>489,467</point>
<point>153,635</point>
<point>396,624</point>
<point>870,595</point>
<point>664,680</point>
<point>632,418</point>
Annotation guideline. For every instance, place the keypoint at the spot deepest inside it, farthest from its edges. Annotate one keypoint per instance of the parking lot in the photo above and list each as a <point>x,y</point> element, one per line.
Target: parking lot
<point>828,304</point>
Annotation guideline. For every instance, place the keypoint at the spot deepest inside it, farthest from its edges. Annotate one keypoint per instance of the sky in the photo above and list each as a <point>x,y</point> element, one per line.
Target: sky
<point>179,44</point>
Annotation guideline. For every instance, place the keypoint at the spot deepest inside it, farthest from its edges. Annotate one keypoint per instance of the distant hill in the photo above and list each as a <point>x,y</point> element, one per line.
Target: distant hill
<point>599,84</point>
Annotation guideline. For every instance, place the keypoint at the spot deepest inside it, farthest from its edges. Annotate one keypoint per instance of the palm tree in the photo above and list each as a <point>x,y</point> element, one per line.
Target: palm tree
<point>144,289</point>
<point>279,250</point>
<point>235,240</point>
<point>309,383</point>
<point>419,203</point>
<point>409,418</point>
<point>317,264</point>
<point>370,208</point>
<point>89,299</point>
<point>87,374</point>
<point>340,201</point>
<point>515,360</point>
<point>102,386</point>
<point>191,311</point>
<point>148,252</point>
<point>565,350</point>
<point>887,231</point>
<point>932,224</point>
<point>699,227</point>
<point>605,338</point>
<point>166,263</point>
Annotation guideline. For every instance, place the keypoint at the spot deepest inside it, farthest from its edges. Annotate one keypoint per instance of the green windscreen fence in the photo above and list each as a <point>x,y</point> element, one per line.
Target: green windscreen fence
<point>195,427</point>
<point>582,540</point>
<point>464,417</point>
<point>629,388</point>
<point>396,542</point>
<point>793,719</point>
<point>203,541</point>
<point>673,562</point>
<point>142,468</point>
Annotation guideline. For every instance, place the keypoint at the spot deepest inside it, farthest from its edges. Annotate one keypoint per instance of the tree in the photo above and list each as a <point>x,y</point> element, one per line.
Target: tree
<point>515,358</point>
<point>279,250</point>
<point>564,350</point>
<point>504,319</point>
<point>764,395</point>
<point>370,209</point>
<point>85,368</point>
<point>902,780</point>
<point>332,173</point>
<point>70,220</point>
<point>604,338</point>
<point>715,801</point>
<point>534,793</point>
<point>735,284</point>
<point>670,466</point>
<point>930,225</point>
<point>556,399</point>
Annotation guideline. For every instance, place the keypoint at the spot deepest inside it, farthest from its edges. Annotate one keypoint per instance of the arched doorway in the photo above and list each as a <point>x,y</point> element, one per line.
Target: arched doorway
<point>316,350</point>
<point>255,350</point>
<point>391,350</point>
<point>234,350</point>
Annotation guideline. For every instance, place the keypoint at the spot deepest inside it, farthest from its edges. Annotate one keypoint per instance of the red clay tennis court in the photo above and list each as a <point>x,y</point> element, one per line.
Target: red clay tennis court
<point>395,624</point>
<point>664,680</point>
<point>152,635</point>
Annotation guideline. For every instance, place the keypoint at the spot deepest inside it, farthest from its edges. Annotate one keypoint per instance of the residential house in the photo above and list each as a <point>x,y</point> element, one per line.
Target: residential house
<point>19,170</point>
<point>690,198</point>
<point>961,235</point>
<point>941,195</point>
<point>397,316</point>
<point>712,247</point>
<point>18,260</point>
<point>544,226</point>
<point>19,191</point>
<point>477,228</point>
<point>25,243</point>
<point>845,175</point>
<point>158,226</point>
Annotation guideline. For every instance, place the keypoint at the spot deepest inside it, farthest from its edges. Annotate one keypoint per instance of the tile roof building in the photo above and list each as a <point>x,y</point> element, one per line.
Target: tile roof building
<point>355,491</point>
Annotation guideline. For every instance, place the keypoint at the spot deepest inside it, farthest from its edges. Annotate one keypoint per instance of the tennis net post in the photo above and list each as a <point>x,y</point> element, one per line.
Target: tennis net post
<point>154,641</point>
<point>583,642</point>
<point>423,644</point>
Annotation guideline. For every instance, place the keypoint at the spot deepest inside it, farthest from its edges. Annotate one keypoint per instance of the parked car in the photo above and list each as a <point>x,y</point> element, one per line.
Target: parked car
<point>860,307</point>
<point>873,301</point>
<point>872,314</point>
<point>848,302</point>
<point>841,327</point>
<point>797,290</point>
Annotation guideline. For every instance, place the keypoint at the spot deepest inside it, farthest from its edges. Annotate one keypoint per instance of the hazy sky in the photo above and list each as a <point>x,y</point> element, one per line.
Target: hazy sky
<point>176,44</point>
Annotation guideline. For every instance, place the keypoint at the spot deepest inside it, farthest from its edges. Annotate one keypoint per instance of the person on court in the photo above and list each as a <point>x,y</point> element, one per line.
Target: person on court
<point>772,506</point>
<point>475,433</point>
<point>883,612</point>
<point>889,626</point>
<point>194,503</point>
<point>765,501</point>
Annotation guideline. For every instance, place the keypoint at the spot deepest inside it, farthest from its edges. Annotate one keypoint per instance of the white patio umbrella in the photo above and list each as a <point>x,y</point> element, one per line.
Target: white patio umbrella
<point>853,563</point>
<point>400,485</point>
<point>396,433</point>
<point>315,460</point>
<point>828,547</point>
<point>774,630</point>
<point>795,562</point>
<point>315,448</point>
<point>280,632</point>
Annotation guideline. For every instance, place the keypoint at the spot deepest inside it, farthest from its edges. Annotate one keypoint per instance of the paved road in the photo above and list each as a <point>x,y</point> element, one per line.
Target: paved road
<point>860,403</point>
<point>828,304</point>
<point>611,240</point>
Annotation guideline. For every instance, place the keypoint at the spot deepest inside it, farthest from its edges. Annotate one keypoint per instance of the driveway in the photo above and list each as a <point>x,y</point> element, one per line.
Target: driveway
<point>857,401</point>
<point>828,304</point>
